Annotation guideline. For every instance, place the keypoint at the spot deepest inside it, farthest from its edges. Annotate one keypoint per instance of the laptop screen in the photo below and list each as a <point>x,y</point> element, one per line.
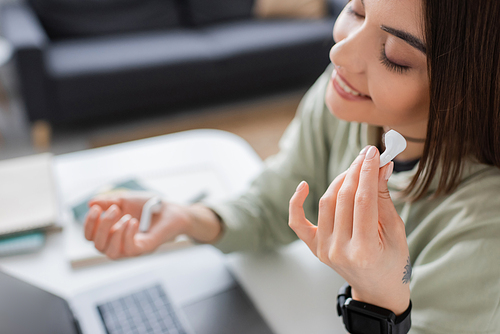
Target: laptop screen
<point>28,309</point>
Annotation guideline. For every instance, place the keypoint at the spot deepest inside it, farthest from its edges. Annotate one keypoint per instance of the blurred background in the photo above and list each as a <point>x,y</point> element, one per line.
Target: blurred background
<point>78,74</point>
<point>82,74</point>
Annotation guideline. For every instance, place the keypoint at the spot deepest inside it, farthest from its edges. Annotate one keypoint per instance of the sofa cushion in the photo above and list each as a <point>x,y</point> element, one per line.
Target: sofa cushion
<point>201,12</point>
<point>90,56</point>
<point>80,18</point>
<point>99,76</point>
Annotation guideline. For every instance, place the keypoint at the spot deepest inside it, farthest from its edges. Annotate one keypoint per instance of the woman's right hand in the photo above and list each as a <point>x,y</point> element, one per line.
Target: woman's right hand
<point>116,232</point>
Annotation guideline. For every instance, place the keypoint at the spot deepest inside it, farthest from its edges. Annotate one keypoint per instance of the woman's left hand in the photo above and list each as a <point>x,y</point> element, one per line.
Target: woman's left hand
<point>360,234</point>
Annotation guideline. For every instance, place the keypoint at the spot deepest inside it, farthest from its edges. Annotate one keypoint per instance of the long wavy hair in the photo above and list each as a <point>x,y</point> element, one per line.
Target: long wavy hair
<point>463,59</point>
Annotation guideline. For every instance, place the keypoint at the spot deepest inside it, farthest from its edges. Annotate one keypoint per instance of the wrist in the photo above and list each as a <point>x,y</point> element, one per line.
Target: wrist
<point>204,225</point>
<point>395,301</point>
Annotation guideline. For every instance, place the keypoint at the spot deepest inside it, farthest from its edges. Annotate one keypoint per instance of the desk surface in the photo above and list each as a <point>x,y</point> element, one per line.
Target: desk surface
<point>293,290</point>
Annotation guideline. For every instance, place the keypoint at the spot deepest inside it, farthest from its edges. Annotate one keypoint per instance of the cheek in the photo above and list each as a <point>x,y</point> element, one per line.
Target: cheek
<point>394,103</point>
<point>401,102</point>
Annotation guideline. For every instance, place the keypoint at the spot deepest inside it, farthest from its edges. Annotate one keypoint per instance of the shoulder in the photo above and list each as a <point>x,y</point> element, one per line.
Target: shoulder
<point>474,200</point>
<point>477,195</point>
<point>464,224</point>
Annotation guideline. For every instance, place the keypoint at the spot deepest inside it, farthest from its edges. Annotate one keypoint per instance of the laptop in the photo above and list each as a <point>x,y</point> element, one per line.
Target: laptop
<point>192,293</point>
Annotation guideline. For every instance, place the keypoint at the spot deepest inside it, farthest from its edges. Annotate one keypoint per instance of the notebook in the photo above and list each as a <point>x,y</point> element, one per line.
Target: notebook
<point>27,194</point>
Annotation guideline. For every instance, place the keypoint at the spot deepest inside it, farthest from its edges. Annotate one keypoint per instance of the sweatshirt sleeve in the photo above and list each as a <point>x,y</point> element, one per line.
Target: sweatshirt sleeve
<point>259,218</point>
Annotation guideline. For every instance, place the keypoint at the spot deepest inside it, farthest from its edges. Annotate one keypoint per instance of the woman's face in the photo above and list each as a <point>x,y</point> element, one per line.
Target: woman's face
<point>380,74</point>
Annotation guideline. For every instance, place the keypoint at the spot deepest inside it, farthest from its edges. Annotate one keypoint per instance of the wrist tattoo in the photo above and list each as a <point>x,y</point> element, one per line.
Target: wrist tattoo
<point>407,272</point>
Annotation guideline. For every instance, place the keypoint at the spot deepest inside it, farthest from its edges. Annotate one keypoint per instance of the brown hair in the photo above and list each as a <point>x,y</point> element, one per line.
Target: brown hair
<point>463,60</point>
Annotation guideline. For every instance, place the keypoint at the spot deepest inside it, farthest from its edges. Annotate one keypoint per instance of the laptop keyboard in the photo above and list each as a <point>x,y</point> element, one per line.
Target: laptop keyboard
<point>144,312</point>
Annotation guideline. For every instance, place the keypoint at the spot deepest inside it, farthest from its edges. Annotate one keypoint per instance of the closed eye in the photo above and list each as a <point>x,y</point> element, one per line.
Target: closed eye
<point>352,12</point>
<point>401,69</point>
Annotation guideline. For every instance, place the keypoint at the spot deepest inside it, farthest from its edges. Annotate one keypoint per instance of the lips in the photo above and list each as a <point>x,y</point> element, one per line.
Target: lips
<point>345,90</point>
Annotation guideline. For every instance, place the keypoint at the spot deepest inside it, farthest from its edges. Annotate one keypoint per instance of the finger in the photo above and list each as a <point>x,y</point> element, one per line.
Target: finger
<point>129,246</point>
<point>344,208</point>
<point>386,210</point>
<point>297,219</point>
<point>384,174</point>
<point>326,214</point>
<point>109,218</point>
<point>365,223</point>
<point>115,246</point>
<point>105,201</point>
<point>91,221</point>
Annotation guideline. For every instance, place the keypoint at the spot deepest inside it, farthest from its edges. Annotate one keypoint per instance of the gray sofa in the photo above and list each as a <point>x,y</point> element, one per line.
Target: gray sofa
<point>86,61</point>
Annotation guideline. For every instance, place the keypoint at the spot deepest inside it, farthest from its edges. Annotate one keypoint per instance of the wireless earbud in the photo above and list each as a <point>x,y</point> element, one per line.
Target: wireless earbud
<point>395,143</point>
<point>153,205</point>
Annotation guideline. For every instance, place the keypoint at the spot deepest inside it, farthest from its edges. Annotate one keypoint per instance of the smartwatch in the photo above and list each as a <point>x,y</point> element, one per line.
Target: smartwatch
<point>363,318</point>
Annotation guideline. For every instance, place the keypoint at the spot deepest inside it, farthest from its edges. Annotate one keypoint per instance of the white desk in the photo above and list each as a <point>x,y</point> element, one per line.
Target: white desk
<point>292,289</point>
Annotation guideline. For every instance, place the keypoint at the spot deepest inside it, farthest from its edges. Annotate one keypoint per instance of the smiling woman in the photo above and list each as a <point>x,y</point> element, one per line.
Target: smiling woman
<point>426,226</point>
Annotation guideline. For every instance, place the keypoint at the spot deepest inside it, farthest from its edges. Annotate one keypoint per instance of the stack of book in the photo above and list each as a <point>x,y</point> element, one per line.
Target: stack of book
<point>28,202</point>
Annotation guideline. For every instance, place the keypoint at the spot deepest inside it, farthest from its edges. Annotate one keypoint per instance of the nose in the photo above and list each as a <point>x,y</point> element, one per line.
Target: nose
<point>351,51</point>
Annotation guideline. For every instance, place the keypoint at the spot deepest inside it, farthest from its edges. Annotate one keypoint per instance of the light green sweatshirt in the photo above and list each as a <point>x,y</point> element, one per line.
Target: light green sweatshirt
<point>454,240</point>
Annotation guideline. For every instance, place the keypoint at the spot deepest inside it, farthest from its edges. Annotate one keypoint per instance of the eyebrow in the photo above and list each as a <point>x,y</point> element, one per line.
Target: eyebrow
<point>408,38</point>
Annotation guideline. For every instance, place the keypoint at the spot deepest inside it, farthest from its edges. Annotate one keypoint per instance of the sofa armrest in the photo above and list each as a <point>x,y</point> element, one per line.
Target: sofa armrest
<point>20,26</point>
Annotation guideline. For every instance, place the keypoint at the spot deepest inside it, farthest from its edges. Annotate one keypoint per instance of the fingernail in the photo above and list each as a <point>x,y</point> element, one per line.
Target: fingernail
<point>300,186</point>
<point>124,221</point>
<point>371,152</point>
<point>112,211</point>
<point>364,150</point>
<point>388,173</point>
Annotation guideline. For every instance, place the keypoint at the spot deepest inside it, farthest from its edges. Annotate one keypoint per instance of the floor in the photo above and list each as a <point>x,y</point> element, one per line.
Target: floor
<point>260,121</point>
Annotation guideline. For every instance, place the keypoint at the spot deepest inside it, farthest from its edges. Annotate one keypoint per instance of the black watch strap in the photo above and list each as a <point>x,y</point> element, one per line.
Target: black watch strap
<point>363,318</point>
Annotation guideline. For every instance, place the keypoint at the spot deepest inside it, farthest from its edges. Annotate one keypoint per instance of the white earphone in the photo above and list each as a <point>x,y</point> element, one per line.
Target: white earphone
<point>153,205</point>
<point>395,143</point>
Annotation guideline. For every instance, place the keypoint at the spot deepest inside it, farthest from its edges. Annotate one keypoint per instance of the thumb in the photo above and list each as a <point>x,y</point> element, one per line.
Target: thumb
<point>297,220</point>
